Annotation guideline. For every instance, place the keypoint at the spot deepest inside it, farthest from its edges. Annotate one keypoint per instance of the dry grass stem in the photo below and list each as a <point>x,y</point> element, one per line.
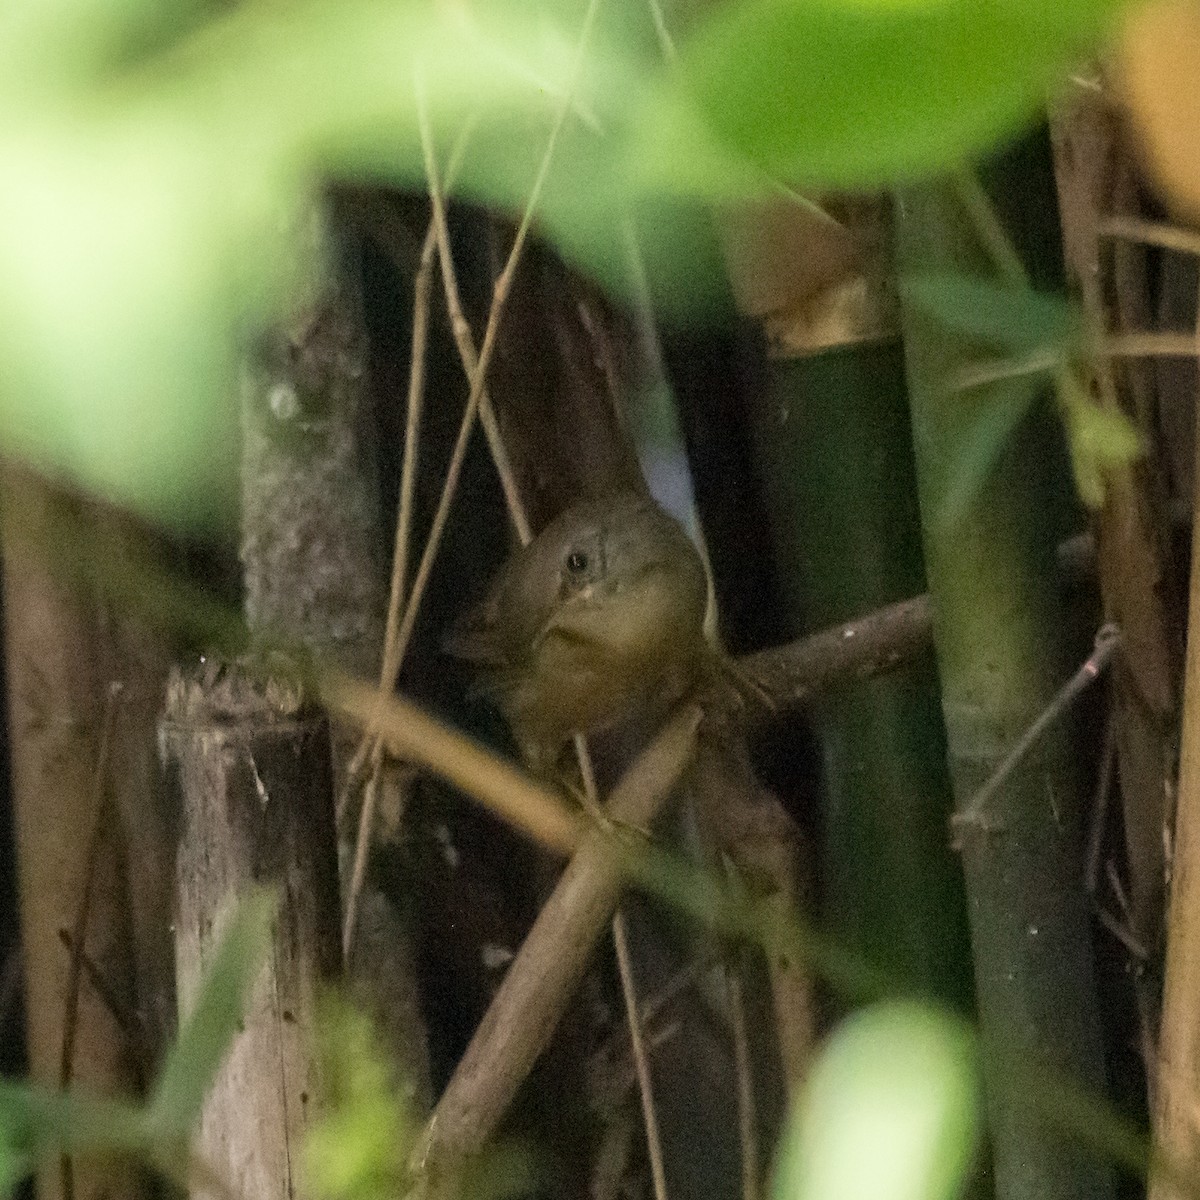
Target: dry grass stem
<point>1152,233</point>
<point>100,826</point>
<point>747,1110</point>
<point>641,1061</point>
<point>461,330</point>
<point>412,734</point>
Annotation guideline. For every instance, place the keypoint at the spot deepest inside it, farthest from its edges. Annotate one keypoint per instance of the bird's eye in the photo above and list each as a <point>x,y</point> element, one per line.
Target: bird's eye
<point>577,562</point>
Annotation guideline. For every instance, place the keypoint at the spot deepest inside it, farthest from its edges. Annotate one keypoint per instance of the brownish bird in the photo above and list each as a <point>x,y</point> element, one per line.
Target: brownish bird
<point>600,616</point>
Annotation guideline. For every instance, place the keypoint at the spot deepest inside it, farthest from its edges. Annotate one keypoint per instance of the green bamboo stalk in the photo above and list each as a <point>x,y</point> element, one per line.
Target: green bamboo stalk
<point>835,451</point>
<point>996,626</point>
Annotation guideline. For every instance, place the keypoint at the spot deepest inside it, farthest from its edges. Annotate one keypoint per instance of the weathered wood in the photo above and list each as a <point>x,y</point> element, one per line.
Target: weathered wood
<point>248,766</point>
<point>66,848</point>
<point>312,538</point>
<point>1096,177</point>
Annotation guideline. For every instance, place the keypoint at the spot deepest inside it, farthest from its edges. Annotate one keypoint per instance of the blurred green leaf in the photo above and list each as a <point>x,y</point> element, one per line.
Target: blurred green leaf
<point>360,1147</point>
<point>35,1121</point>
<point>890,1111</point>
<point>64,45</point>
<point>1021,320</point>
<point>216,1015</point>
<point>158,218</point>
<point>1101,440</point>
<point>984,420</point>
<point>851,93</point>
<point>13,1166</point>
<point>134,258</point>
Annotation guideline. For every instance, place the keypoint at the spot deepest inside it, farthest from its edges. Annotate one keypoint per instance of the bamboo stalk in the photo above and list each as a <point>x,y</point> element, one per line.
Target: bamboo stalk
<point>995,625</point>
<point>1178,1084</point>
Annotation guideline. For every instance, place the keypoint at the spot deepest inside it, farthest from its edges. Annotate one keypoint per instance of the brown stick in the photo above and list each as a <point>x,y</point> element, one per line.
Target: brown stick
<point>792,674</point>
<point>881,641</point>
<point>1178,1082</point>
<point>550,963</point>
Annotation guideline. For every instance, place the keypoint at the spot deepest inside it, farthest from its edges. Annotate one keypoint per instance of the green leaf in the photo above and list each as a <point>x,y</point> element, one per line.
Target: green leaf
<point>984,421</point>
<point>135,256</point>
<point>854,93</point>
<point>62,45</point>
<point>890,1111</point>
<point>155,215</point>
<point>1019,319</point>
<point>215,1017</point>
<point>359,1149</point>
<point>35,1121</point>
<point>1101,440</point>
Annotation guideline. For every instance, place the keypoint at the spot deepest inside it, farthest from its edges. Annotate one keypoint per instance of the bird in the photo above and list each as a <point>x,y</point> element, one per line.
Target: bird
<point>599,617</point>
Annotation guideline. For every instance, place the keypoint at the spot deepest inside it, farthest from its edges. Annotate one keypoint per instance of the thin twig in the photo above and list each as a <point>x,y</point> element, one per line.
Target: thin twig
<point>1123,345</point>
<point>1118,889</point>
<point>645,1082</point>
<point>654,1006</point>
<point>461,330</point>
<point>979,374</point>
<point>390,668</point>
<point>399,644</point>
<point>422,285</point>
<point>989,228</point>
<point>496,783</point>
<point>974,814</point>
<point>362,849</point>
<point>747,1114</point>
<point>629,993</point>
<point>499,298</point>
<point>78,935</point>
<point>1122,934</point>
<point>125,1018</point>
<point>1100,806</point>
<point>1150,345</point>
<point>1152,233</point>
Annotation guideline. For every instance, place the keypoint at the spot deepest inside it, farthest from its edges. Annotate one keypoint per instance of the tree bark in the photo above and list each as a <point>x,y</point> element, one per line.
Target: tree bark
<point>248,767</point>
<point>70,859</point>
<point>312,553</point>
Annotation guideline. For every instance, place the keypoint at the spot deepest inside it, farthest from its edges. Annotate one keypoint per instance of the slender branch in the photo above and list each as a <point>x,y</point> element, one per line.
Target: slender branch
<point>979,374</point>
<point>362,850</point>
<point>1100,806</point>
<point>1152,233</point>
<point>988,227</point>
<point>641,1063</point>
<point>499,299</point>
<point>747,1115</point>
<point>1123,345</point>
<point>496,783</point>
<point>461,330</point>
<point>125,1018</point>
<point>870,645</point>
<point>390,667</point>
<point>1150,345</point>
<point>1122,934</point>
<point>549,964</point>
<point>422,284</point>
<point>78,936</point>
<point>974,815</point>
